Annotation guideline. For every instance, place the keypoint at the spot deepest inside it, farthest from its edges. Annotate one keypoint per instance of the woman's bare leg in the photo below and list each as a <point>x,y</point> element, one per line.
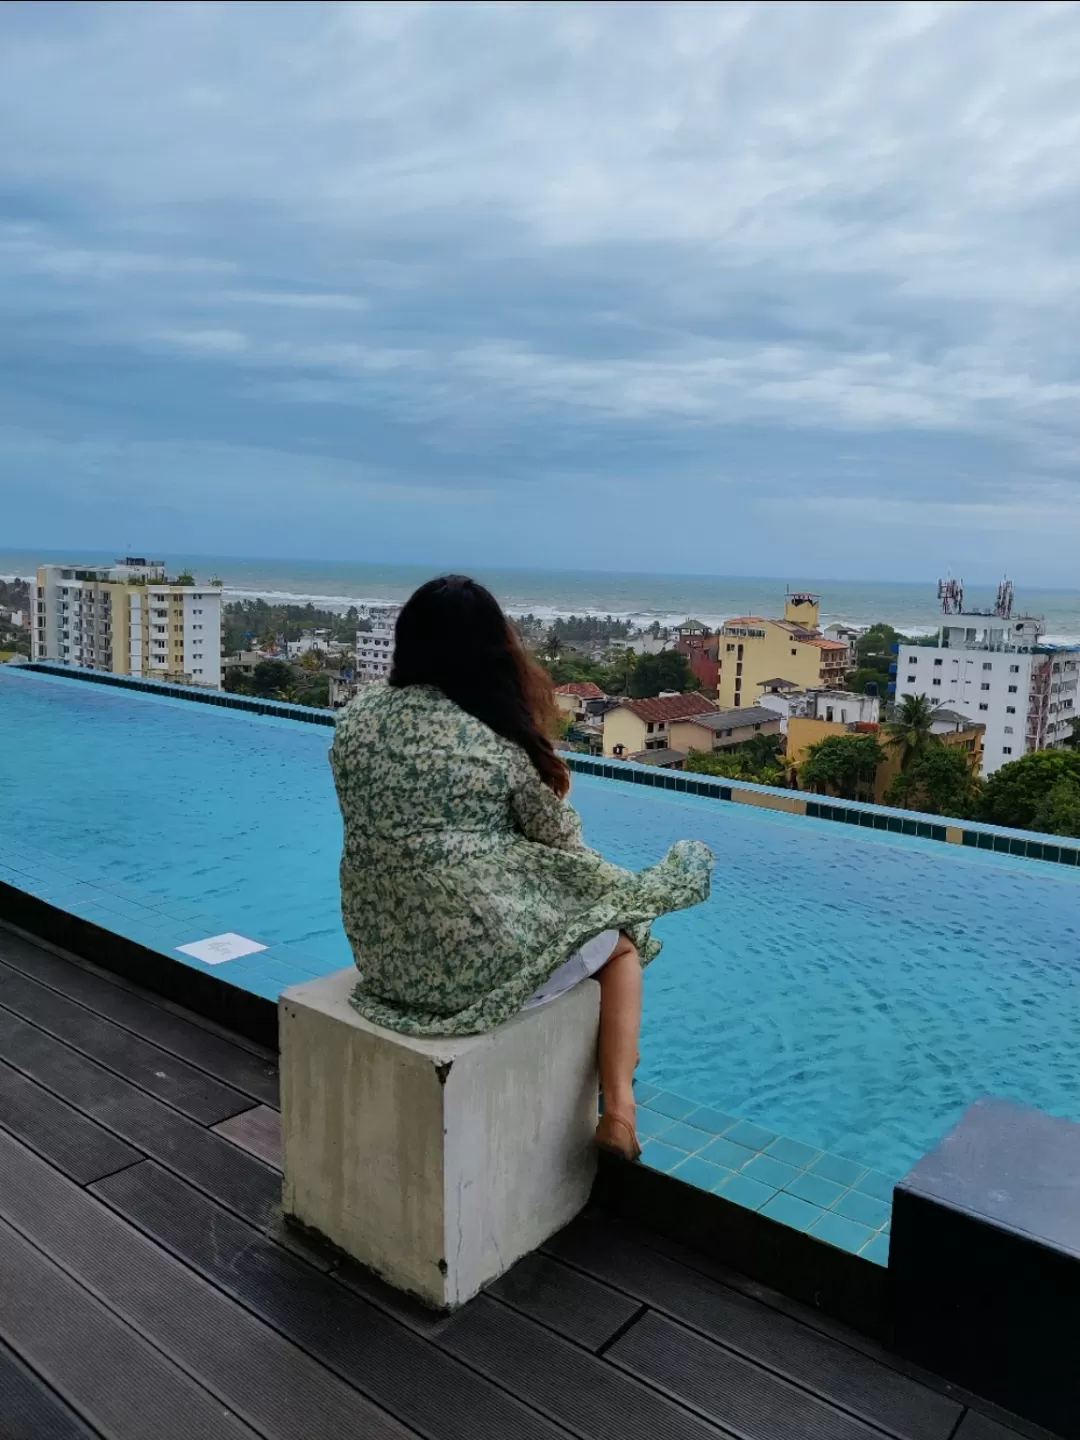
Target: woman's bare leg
<point>620,1032</point>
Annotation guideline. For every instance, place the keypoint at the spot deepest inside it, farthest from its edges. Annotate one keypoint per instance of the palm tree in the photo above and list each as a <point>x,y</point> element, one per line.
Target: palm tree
<point>552,645</point>
<point>911,729</point>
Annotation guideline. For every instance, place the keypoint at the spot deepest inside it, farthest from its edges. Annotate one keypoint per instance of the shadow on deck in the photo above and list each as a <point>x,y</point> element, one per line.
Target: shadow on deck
<point>148,1287</point>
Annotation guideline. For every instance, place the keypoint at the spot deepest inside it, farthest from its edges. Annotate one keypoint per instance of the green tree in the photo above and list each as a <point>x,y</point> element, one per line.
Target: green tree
<point>1020,791</point>
<point>847,764</point>
<point>1072,741</point>
<point>910,730</point>
<point>271,678</point>
<point>1058,812</point>
<point>727,764</point>
<point>666,671</point>
<point>938,781</point>
<point>760,751</point>
<point>237,683</point>
<point>865,675</point>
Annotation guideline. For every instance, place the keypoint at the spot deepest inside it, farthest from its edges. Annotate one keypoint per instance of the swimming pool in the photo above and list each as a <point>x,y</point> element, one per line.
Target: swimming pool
<point>848,989</point>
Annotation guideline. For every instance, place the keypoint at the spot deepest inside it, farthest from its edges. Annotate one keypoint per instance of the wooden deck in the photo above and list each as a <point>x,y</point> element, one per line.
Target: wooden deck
<point>149,1289</point>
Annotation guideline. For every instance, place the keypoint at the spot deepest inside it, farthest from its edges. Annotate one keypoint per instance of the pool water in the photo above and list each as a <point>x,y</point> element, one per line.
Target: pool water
<point>847,987</point>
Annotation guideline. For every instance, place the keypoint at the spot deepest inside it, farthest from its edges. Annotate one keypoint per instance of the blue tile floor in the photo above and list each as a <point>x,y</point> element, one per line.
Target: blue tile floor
<point>832,1198</point>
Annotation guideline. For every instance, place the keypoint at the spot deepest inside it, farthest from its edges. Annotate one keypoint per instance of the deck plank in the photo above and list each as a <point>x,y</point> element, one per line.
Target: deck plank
<point>237,1180</point>
<point>148,1017</point>
<point>394,1367</point>
<point>161,1074</point>
<point>571,1304</point>
<point>864,1386</point>
<point>734,1393</point>
<point>74,1144</point>
<point>29,1410</point>
<point>574,1388</point>
<point>271,1384</point>
<point>257,1131</point>
<point>121,1385</point>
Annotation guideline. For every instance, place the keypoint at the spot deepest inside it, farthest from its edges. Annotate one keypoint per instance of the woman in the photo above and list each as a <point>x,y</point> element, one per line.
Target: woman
<point>467,893</point>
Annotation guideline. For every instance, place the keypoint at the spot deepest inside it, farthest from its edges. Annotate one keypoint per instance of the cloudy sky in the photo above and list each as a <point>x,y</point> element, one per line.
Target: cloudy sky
<point>727,289</point>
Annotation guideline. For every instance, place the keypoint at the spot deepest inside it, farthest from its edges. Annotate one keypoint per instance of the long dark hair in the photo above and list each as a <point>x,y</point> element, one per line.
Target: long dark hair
<point>453,634</point>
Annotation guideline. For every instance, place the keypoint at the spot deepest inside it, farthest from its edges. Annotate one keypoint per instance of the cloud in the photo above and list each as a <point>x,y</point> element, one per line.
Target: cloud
<point>710,247</point>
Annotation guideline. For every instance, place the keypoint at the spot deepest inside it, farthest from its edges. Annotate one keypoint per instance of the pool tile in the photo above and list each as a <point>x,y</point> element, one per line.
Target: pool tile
<point>643,1092</point>
<point>878,1185</point>
<point>816,1189</point>
<point>649,1124</point>
<point>863,1208</point>
<point>686,1137</point>
<point>792,1152</point>
<point>715,1121</point>
<point>876,1250</point>
<point>751,1194</point>
<point>845,1234</point>
<point>770,1172</point>
<point>835,1167</point>
<point>725,1152</point>
<point>659,1156</point>
<point>696,1171</point>
<point>790,1211</point>
<point>674,1105</point>
<point>754,1137</point>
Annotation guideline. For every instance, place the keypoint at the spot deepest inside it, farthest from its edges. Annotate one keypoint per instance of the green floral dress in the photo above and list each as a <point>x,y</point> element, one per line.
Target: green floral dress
<point>464,880</point>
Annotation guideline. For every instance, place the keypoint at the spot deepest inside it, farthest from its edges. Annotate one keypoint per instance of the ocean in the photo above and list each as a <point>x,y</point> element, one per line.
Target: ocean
<point>910,606</point>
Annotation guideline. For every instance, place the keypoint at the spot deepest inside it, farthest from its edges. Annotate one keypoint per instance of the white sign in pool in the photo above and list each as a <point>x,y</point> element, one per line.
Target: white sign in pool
<point>220,948</point>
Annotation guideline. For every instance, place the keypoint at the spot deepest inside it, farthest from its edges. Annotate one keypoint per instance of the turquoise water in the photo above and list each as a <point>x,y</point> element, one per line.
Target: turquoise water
<point>849,988</point>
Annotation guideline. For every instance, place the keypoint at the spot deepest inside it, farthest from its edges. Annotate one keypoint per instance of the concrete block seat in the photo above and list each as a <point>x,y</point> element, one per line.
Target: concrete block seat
<point>437,1163</point>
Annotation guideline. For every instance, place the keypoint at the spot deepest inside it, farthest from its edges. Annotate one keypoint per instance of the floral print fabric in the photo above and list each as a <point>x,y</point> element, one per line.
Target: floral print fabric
<point>464,881</point>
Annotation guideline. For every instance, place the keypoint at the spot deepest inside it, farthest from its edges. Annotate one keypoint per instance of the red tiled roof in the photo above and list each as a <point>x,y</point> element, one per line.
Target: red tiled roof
<point>583,689</point>
<point>826,644</point>
<point>670,707</point>
<point>746,620</point>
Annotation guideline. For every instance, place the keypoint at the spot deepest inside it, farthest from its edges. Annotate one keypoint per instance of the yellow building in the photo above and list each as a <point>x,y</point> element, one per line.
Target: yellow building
<point>128,619</point>
<point>637,725</point>
<point>950,728</point>
<point>754,650</point>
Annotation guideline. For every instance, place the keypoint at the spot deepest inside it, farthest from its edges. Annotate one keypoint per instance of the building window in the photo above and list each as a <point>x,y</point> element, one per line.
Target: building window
<point>729,648</point>
<point>650,727</point>
<point>1008,729</point>
<point>939,662</point>
<point>794,651</point>
<point>983,705</point>
<point>1006,749</point>
<point>1012,689</point>
<point>987,665</point>
<point>913,660</point>
<point>1014,669</point>
<point>1010,709</point>
<point>937,682</point>
<point>985,685</point>
<point>911,679</point>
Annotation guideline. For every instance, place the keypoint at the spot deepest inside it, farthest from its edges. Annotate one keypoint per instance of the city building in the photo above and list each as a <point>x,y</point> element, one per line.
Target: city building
<point>636,725</point>
<point>751,649</point>
<point>842,707</point>
<point>701,646</point>
<point>994,667</point>
<point>951,728</point>
<point>128,619</point>
<point>724,729</point>
<point>573,699</point>
<point>375,647</point>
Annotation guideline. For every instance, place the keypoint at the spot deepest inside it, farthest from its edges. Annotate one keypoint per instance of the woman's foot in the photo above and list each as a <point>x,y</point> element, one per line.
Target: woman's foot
<point>618,1133</point>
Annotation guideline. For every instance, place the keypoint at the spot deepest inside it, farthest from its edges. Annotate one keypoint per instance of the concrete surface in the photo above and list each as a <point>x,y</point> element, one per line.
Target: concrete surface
<point>438,1163</point>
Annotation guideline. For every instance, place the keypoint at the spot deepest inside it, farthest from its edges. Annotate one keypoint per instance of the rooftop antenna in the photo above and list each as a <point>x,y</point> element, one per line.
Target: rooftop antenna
<point>1003,605</point>
<point>951,594</point>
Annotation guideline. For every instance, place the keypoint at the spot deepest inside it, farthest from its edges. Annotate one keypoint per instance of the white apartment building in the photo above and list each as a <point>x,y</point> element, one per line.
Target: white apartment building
<point>995,670</point>
<point>127,619</point>
<point>375,647</point>
<point>843,707</point>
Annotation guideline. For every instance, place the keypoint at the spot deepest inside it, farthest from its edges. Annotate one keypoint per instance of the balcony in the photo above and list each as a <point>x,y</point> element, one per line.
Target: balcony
<point>776,1124</point>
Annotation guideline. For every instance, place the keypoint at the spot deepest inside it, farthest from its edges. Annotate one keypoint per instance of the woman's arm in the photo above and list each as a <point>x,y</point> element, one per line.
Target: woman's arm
<point>542,816</point>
